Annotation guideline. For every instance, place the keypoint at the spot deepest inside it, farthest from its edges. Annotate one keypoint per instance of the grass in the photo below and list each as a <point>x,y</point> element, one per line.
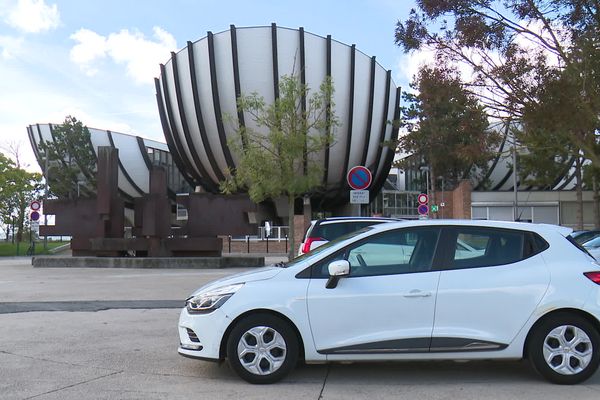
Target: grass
<point>8,249</point>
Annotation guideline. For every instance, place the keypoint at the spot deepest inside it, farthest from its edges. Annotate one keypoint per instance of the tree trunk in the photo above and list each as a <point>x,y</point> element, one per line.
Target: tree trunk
<point>292,248</point>
<point>579,192</point>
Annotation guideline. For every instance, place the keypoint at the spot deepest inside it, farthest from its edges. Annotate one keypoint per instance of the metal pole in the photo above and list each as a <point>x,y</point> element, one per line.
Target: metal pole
<point>45,198</point>
<point>442,203</point>
<point>516,201</point>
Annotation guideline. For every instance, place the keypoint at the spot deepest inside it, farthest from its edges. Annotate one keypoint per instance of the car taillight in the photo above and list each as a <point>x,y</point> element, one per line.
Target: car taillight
<point>593,276</point>
<point>309,241</point>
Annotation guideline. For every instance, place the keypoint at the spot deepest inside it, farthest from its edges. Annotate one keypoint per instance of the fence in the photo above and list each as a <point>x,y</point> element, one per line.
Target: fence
<point>273,240</point>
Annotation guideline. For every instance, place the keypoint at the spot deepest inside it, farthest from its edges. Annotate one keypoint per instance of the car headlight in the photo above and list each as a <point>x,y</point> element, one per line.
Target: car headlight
<point>206,302</point>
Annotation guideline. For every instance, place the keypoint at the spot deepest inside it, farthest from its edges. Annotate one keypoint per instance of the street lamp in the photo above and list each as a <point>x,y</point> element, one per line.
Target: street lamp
<point>78,184</point>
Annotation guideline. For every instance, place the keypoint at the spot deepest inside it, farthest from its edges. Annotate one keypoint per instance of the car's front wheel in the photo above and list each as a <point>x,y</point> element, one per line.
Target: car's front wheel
<point>565,349</point>
<point>262,348</point>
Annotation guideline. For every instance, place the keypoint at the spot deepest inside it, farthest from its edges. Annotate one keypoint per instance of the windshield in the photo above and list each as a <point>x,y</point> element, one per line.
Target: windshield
<point>324,247</point>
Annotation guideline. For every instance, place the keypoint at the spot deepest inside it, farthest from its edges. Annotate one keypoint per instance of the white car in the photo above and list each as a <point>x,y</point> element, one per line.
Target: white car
<point>517,291</point>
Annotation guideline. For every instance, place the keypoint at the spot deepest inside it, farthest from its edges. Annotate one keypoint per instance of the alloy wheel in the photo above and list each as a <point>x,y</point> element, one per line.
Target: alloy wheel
<point>261,350</point>
<point>567,349</point>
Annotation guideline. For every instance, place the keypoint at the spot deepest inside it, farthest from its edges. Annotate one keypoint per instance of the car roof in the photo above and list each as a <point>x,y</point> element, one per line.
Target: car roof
<point>353,219</point>
<point>539,228</point>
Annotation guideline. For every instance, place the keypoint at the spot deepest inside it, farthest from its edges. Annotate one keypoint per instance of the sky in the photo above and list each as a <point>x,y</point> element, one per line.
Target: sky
<point>97,59</point>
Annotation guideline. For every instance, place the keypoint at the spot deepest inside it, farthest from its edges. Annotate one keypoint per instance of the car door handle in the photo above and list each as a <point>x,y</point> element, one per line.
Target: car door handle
<point>417,293</point>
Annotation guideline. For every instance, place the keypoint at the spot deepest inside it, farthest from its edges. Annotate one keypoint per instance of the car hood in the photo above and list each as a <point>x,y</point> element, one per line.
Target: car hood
<point>258,274</point>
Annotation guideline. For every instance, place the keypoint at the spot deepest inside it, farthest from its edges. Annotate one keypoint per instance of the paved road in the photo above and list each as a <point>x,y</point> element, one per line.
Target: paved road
<point>102,345</point>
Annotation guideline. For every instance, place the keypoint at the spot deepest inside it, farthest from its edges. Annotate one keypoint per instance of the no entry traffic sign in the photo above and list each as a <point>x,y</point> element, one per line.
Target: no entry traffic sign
<point>359,178</point>
<point>35,205</point>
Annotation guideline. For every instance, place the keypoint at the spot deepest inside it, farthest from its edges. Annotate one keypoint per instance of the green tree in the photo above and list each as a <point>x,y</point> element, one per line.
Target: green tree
<point>508,45</point>
<point>71,160</point>
<point>446,125</point>
<point>280,156</point>
<point>18,188</point>
<point>530,59</point>
<point>560,129</point>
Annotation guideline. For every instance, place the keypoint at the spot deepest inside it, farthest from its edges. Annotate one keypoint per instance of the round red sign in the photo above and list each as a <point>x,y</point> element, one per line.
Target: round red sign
<point>359,178</point>
<point>422,198</point>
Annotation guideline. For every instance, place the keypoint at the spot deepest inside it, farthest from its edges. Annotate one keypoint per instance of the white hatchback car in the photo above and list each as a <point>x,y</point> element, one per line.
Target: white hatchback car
<point>411,290</point>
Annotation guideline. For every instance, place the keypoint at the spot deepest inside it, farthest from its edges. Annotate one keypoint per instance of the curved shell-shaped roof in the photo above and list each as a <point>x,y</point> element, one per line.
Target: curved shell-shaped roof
<point>500,174</point>
<point>134,156</point>
<point>201,83</point>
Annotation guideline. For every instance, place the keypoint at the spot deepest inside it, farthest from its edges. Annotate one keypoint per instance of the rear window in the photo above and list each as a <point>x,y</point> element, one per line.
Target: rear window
<point>330,231</point>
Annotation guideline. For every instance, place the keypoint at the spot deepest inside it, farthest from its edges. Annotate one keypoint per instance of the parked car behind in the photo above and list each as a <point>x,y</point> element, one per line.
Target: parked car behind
<point>585,236</point>
<point>325,230</point>
<point>593,247</point>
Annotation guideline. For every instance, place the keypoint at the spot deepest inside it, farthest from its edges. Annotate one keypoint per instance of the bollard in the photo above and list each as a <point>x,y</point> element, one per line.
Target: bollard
<point>286,244</point>
<point>229,242</point>
<point>267,244</point>
<point>248,243</point>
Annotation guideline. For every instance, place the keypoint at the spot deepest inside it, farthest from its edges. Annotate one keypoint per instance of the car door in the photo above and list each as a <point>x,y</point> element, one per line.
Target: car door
<point>387,302</point>
<point>492,283</point>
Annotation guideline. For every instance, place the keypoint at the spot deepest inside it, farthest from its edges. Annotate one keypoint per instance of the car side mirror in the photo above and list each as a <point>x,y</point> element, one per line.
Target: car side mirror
<point>337,269</point>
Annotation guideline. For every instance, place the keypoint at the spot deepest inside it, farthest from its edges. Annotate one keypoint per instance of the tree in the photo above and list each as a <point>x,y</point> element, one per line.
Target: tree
<point>506,44</point>
<point>520,53</point>
<point>280,156</point>
<point>17,189</point>
<point>71,160</point>
<point>446,125</point>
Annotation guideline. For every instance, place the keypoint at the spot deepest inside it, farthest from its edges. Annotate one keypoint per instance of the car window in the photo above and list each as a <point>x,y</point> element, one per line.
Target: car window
<point>330,231</point>
<point>321,249</point>
<point>394,252</point>
<point>483,247</point>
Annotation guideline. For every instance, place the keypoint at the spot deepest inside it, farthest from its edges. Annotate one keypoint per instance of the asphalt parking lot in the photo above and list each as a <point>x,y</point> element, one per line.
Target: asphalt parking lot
<point>111,334</point>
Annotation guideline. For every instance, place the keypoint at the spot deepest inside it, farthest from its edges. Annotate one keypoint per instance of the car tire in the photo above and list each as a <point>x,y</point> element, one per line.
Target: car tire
<point>565,349</point>
<point>262,348</point>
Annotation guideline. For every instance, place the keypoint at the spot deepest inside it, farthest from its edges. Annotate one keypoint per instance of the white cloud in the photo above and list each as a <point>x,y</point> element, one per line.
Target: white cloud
<point>409,64</point>
<point>9,47</point>
<point>90,48</point>
<point>32,16</point>
<point>140,55</point>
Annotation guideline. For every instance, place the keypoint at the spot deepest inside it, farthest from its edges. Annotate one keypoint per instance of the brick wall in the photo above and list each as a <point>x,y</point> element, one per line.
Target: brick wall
<point>457,202</point>
<point>461,200</point>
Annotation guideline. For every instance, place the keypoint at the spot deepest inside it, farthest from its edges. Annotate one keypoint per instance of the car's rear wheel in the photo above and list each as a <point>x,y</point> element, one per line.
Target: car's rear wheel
<point>565,349</point>
<point>262,348</point>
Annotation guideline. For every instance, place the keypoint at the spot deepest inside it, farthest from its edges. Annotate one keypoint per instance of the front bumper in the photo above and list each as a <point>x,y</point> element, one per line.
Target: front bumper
<point>200,334</point>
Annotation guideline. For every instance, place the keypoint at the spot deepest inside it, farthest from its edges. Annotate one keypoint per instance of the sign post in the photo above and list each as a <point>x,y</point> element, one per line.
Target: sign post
<point>359,179</point>
<point>423,208</point>
<point>34,224</point>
